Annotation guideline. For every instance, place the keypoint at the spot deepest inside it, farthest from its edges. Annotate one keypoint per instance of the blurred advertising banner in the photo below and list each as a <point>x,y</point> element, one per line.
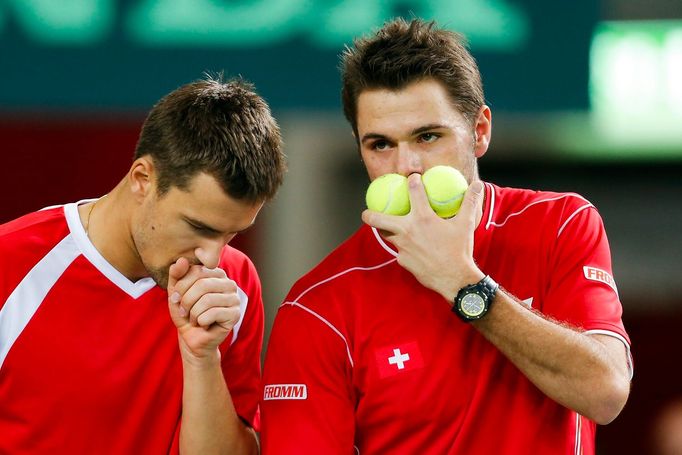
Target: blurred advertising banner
<point>107,55</point>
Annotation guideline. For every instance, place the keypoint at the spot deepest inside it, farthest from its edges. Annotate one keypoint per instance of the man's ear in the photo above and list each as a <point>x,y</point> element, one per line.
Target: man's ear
<point>141,178</point>
<point>483,127</point>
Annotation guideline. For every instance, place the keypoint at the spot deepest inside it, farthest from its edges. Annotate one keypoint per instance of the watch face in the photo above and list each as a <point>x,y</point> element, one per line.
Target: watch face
<point>472,305</point>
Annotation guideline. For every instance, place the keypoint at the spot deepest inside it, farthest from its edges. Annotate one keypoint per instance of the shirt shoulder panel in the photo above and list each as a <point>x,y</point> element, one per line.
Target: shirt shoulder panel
<point>42,229</point>
<point>513,207</point>
<point>26,241</point>
<point>558,238</point>
<point>360,252</point>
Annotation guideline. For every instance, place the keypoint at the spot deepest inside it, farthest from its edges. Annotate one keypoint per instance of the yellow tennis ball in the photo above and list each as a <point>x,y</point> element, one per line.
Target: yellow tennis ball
<point>388,194</point>
<point>445,187</point>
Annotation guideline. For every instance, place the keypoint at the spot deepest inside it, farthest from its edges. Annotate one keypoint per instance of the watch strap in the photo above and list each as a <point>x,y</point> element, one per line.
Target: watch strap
<point>489,285</point>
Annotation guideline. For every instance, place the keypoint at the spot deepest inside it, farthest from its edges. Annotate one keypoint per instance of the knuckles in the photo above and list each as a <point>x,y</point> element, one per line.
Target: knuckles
<point>208,280</point>
<point>226,317</point>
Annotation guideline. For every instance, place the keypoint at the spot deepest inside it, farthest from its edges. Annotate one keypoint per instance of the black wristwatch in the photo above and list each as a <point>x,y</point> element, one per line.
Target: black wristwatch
<point>473,301</point>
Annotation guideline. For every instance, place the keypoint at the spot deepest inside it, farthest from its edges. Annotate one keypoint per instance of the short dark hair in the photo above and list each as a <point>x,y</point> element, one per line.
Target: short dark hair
<point>400,53</point>
<point>221,128</point>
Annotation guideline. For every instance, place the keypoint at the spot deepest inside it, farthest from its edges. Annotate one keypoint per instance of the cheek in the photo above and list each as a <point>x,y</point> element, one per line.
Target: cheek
<point>174,241</point>
<point>466,163</point>
<point>168,241</point>
<point>152,238</point>
<point>377,164</point>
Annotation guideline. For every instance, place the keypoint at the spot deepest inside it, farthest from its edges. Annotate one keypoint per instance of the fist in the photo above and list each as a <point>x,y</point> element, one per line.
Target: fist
<point>204,305</point>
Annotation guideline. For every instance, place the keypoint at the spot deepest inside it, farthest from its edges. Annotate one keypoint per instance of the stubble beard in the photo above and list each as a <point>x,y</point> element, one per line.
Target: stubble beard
<point>142,243</point>
<point>160,276</point>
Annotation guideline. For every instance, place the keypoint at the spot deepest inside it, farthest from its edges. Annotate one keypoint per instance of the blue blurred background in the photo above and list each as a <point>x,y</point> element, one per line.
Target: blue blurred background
<point>586,96</point>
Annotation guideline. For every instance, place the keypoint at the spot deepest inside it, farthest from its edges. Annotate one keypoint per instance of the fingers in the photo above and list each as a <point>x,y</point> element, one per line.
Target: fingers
<point>205,286</point>
<point>196,273</point>
<point>387,223</point>
<point>177,271</point>
<point>222,309</point>
<point>393,224</point>
<point>226,318</point>
<point>214,301</point>
<point>472,205</point>
<point>191,276</point>
<point>419,201</point>
<point>195,297</point>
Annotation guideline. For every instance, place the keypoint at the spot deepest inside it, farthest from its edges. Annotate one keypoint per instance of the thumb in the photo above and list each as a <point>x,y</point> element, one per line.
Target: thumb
<point>177,270</point>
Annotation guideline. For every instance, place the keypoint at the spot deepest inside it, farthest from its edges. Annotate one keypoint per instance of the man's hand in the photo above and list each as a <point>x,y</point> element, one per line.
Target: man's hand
<point>438,252</point>
<point>204,306</point>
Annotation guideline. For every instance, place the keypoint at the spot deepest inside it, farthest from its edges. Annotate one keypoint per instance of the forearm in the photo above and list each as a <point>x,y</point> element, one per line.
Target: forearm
<point>570,367</point>
<point>210,424</point>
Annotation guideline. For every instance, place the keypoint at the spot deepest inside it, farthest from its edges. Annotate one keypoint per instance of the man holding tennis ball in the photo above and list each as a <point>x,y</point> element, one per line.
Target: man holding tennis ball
<point>445,187</point>
<point>402,341</point>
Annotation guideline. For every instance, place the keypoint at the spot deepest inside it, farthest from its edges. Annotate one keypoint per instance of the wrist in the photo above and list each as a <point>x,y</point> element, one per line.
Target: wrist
<point>451,289</point>
<point>200,361</point>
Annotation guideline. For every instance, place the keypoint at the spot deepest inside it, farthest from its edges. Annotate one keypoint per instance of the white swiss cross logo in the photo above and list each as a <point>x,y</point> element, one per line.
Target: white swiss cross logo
<point>398,359</point>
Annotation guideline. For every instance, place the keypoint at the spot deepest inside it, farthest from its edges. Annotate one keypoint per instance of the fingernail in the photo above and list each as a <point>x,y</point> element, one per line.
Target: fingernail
<point>175,297</point>
<point>182,312</point>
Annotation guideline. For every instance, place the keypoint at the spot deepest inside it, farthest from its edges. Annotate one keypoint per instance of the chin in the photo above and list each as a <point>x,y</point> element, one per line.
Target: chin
<point>162,282</point>
<point>160,277</point>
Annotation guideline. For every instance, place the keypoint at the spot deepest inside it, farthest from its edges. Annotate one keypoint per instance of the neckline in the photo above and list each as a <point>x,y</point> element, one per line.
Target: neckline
<point>134,289</point>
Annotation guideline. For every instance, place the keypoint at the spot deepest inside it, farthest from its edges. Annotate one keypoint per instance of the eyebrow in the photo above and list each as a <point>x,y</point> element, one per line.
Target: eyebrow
<point>414,132</point>
<point>202,225</point>
<point>429,127</point>
<point>212,230</point>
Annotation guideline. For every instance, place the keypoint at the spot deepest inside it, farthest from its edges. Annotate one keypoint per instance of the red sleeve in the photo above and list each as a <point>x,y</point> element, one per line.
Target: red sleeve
<point>242,350</point>
<point>307,402</point>
<point>582,291</point>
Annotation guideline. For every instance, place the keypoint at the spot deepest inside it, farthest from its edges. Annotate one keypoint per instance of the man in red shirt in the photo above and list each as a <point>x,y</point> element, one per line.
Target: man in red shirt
<point>401,340</point>
<point>127,324</point>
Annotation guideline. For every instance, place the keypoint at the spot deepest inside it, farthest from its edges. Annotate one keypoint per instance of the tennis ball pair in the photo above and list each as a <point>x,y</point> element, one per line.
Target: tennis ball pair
<point>444,185</point>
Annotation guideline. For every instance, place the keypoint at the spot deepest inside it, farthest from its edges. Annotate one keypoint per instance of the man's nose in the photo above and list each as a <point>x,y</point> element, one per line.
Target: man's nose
<point>409,160</point>
<point>209,252</point>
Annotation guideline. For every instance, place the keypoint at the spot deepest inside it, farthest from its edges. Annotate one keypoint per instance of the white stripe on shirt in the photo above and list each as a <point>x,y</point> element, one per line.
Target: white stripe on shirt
<point>24,301</point>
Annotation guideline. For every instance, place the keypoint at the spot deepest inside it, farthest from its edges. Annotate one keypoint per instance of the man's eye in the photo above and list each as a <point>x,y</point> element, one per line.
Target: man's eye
<point>203,230</point>
<point>428,137</point>
<point>380,145</point>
